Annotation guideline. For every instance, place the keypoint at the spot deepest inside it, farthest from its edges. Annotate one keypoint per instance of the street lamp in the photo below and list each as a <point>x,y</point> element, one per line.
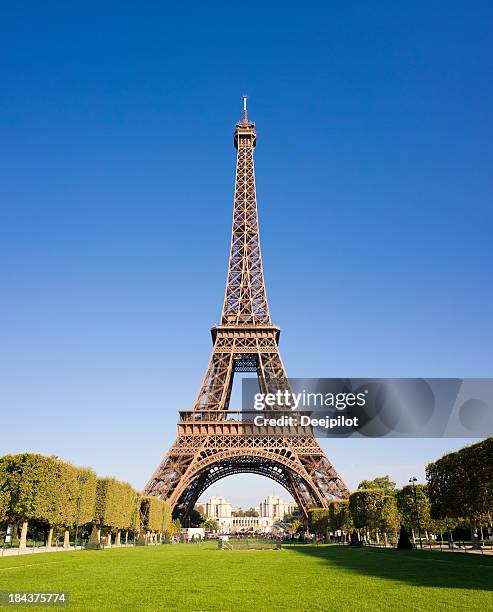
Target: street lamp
<point>82,478</point>
<point>412,480</point>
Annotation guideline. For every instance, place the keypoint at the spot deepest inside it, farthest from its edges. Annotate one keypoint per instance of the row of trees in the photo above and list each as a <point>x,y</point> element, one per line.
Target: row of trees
<point>50,495</point>
<point>373,510</point>
<point>459,492</point>
<point>377,510</point>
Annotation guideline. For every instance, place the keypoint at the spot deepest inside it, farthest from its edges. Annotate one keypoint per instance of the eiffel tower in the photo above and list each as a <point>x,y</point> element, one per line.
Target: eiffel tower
<point>213,440</point>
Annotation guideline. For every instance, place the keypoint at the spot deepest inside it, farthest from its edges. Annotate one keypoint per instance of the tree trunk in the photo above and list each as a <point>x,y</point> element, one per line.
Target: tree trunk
<point>377,538</point>
<point>66,540</point>
<point>99,534</point>
<point>109,539</point>
<point>49,539</point>
<point>117,540</point>
<point>23,540</point>
<point>126,538</point>
<point>414,535</point>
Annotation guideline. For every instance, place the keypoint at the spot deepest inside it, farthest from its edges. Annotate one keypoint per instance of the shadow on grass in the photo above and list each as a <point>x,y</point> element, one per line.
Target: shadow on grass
<point>419,568</point>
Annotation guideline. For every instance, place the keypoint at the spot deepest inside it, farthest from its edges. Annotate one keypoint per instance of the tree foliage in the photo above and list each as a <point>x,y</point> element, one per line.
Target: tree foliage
<point>4,496</point>
<point>155,515</point>
<point>85,495</point>
<point>46,489</point>
<point>406,504</point>
<point>248,512</point>
<point>340,516</point>
<point>318,520</point>
<point>195,519</point>
<point>115,503</point>
<point>381,482</point>
<point>55,493</point>
<point>374,510</point>
<point>175,527</point>
<point>461,483</point>
<point>211,523</point>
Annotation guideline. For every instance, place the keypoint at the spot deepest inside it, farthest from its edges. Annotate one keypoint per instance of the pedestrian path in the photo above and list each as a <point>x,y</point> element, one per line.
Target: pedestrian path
<point>30,550</point>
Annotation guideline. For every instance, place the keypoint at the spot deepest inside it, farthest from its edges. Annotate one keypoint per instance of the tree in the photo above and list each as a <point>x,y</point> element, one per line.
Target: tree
<point>289,518</point>
<point>166,518</point>
<point>374,510</point>
<point>136,517</point>
<point>195,519</point>
<point>381,482</point>
<point>318,520</point>
<point>340,516</point>
<point>461,483</point>
<point>115,506</point>
<point>4,496</point>
<point>296,526</point>
<point>85,494</point>
<point>72,499</point>
<point>176,526</point>
<point>155,516</point>
<point>407,506</point>
<point>212,524</point>
<point>40,489</point>
<point>389,520</point>
<point>241,512</point>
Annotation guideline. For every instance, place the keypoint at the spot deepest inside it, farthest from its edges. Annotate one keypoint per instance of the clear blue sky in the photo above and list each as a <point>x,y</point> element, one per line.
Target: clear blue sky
<point>375,185</point>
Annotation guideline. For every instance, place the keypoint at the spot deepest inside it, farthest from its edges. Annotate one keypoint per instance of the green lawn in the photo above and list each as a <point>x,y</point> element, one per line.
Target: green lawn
<point>189,577</point>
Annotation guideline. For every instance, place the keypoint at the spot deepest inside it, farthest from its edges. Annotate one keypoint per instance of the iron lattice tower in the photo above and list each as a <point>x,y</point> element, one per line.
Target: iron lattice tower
<point>214,441</point>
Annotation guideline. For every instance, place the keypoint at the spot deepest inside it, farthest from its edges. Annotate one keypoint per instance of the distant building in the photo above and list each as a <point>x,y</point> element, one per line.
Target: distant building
<point>272,509</point>
<point>217,507</point>
<point>275,508</point>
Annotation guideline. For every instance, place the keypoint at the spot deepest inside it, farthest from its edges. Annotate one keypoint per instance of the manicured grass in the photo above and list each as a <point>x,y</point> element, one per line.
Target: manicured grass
<point>188,577</point>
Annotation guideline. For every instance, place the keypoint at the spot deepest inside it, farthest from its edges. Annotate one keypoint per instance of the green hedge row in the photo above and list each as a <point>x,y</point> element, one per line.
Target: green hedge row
<point>459,491</point>
<point>461,483</point>
<point>59,495</point>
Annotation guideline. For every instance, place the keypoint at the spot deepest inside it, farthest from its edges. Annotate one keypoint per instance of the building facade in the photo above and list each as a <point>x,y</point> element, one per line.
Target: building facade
<point>275,508</point>
<point>269,511</point>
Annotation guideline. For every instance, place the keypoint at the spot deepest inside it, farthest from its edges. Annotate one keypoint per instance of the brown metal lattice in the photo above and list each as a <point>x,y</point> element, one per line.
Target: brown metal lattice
<point>209,445</point>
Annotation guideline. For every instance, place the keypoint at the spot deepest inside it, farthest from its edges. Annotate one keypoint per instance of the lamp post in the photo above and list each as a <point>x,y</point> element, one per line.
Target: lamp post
<point>412,480</point>
<point>82,478</point>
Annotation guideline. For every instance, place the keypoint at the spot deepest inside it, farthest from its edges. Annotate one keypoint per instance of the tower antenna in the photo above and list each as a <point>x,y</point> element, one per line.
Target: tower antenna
<point>245,115</point>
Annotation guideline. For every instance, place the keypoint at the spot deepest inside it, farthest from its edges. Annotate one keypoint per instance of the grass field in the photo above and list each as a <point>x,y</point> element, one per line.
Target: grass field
<point>190,577</point>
